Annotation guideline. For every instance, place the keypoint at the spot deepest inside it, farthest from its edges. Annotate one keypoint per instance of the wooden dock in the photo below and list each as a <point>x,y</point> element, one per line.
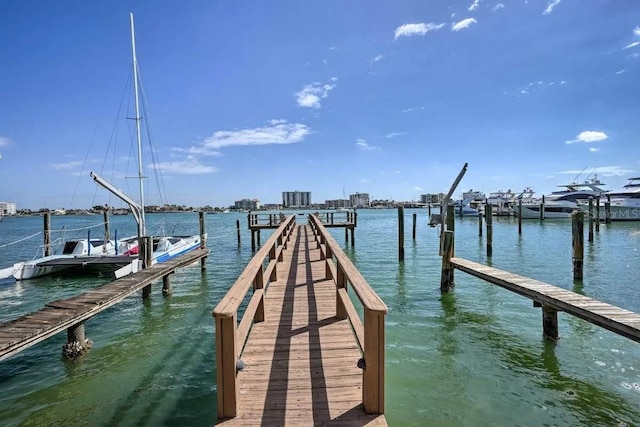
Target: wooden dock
<point>70,314</point>
<point>301,362</point>
<point>553,299</point>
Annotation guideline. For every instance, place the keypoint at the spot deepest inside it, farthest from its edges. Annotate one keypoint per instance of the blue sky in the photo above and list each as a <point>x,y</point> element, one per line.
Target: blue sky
<point>248,99</point>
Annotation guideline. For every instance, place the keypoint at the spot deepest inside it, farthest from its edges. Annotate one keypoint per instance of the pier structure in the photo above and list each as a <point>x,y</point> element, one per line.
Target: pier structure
<point>298,352</point>
<point>71,313</point>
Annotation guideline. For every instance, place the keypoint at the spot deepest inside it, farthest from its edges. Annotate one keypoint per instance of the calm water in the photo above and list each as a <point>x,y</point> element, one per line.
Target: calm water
<point>474,357</point>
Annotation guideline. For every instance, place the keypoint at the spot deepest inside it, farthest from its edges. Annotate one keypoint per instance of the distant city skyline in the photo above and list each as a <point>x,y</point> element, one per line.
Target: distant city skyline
<point>248,99</point>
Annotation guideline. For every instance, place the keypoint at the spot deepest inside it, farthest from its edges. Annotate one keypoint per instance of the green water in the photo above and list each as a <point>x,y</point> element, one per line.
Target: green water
<point>474,357</point>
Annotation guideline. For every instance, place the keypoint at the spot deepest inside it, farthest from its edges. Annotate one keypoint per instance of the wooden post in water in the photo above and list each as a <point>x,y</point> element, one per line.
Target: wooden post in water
<point>346,234</point>
<point>238,230</point>
<point>47,233</point>
<point>479,224</point>
<point>577,232</point>
<point>591,218</point>
<point>489,220</point>
<point>107,234</point>
<point>429,211</point>
<point>460,209</point>
<point>258,233</point>
<point>353,239</point>
<point>607,210</point>
<point>253,240</point>
<point>598,214</point>
<point>549,322</point>
<point>203,240</point>
<point>77,342</point>
<point>451,220</point>
<point>446,273</point>
<point>147,250</point>
<point>542,209</point>
<point>166,285</point>
<point>415,218</point>
<point>401,233</point>
<point>520,216</point>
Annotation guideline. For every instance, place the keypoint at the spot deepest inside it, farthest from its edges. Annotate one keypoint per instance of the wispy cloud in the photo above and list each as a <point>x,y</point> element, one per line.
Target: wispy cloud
<point>188,166</point>
<point>497,7</point>
<point>630,45</point>
<point>620,71</point>
<point>636,31</point>
<point>550,6</point>
<point>281,133</point>
<point>410,109</point>
<point>589,136</point>
<point>394,134</point>
<point>364,146</point>
<point>462,24</point>
<point>332,48</point>
<point>377,59</point>
<point>4,141</point>
<point>197,151</point>
<point>418,188</point>
<point>311,95</point>
<point>603,171</point>
<point>474,5</point>
<point>594,149</point>
<point>0,156</point>
<point>66,166</point>
<point>419,29</point>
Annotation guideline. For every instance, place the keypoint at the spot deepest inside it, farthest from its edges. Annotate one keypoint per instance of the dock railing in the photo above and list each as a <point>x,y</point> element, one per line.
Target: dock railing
<point>370,335</point>
<point>338,218</point>
<point>231,335</point>
<point>265,220</point>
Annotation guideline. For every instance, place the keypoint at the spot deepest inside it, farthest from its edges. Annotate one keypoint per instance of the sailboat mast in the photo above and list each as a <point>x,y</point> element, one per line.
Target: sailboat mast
<point>142,231</point>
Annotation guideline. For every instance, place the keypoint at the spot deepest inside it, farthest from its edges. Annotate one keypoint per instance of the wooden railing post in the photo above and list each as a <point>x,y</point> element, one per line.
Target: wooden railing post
<point>226,360</point>
<point>258,283</point>
<point>373,374</point>
<point>272,256</point>
<point>341,282</point>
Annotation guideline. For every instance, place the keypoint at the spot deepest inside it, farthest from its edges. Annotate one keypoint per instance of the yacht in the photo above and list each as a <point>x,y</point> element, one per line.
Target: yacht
<point>501,202</point>
<point>625,203</point>
<point>560,204</point>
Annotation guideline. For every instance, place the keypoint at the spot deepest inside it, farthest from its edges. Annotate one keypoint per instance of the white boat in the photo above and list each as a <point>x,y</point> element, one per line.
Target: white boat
<point>501,202</point>
<point>166,247</point>
<point>561,203</point>
<point>625,203</point>
<point>75,253</point>
<point>464,208</point>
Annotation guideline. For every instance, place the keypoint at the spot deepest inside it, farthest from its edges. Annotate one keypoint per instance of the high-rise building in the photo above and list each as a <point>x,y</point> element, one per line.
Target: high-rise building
<point>360,200</point>
<point>296,199</point>
<point>247,204</point>
<point>432,198</point>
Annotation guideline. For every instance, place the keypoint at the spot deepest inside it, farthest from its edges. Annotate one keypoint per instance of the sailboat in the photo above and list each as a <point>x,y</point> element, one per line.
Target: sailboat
<point>164,248</point>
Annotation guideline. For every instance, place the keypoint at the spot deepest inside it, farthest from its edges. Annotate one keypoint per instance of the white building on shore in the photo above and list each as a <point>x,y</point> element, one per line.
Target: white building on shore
<point>7,208</point>
<point>296,199</point>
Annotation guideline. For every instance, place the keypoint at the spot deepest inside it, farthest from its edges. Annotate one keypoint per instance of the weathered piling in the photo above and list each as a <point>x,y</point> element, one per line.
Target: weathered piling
<point>147,251</point>
<point>479,224</point>
<point>253,240</point>
<point>77,343</point>
<point>577,232</point>
<point>542,209</point>
<point>607,210</point>
<point>47,234</point>
<point>107,234</point>
<point>429,210</point>
<point>598,214</point>
<point>400,233</point>
<point>460,209</point>
<point>203,240</point>
<point>591,218</point>
<point>415,218</point>
<point>238,230</point>
<point>489,220</point>
<point>520,216</point>
<point>446,273</point>
<point>451,221</point>
<point>166,285</point>
<point>549,322</point>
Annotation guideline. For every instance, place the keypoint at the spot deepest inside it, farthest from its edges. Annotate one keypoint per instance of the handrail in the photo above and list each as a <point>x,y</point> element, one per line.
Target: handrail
<point>231,336</point>
<point>370,333</point>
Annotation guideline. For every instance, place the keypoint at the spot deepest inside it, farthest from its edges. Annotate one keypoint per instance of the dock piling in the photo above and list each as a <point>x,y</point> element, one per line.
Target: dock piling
<point>489,220</point>
<point>147,251</point>
<point>401,233</point>
<point>203,240</point>
<point>77,343</point>
<point>591,218</point>
<point>577,232</point>
<point>607,210</point>
<point>415,218</point>
<point>107,234</point>
<point>542,209</point>
<point>238,230</point>
<point>47,233</point>
<point>598,214</point>
<point>549,322</point>
<point>479,224</point>
<point>446,273</point>
<point>520,216</point>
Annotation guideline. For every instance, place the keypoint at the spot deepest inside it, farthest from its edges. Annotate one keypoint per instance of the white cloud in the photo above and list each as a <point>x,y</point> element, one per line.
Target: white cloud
<point>419,29</point>
<point>550,6</point>
<point>198,151</point>
<point>277,121</point>
<point>333,79</point>
<point>602,171</point>
<point>377,58</point>
<point>66,166</point>
<point>620,71</point>
<point>282,133</point>
<point>187,166</point>
<point>407,110</point>
<point>474,5</point>
<point>462,24</point>
<point>589,136</point>
<point>594,149</point>
<point>636,31</point>
<point>417,188</point>
<point>4,141</point>
<point>363,145</point>
<point>394,134</point>
<point>0,156</point>
<point>564,82</point>
<point>311,95</point>
<point>497,7</point>
<point>630,45</point>
<point>332,48</point>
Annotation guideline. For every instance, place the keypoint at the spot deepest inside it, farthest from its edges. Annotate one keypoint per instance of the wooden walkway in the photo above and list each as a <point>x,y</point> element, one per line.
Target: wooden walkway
<point>301,361</point>
<point>552,298</point>
<point>56,316</point>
